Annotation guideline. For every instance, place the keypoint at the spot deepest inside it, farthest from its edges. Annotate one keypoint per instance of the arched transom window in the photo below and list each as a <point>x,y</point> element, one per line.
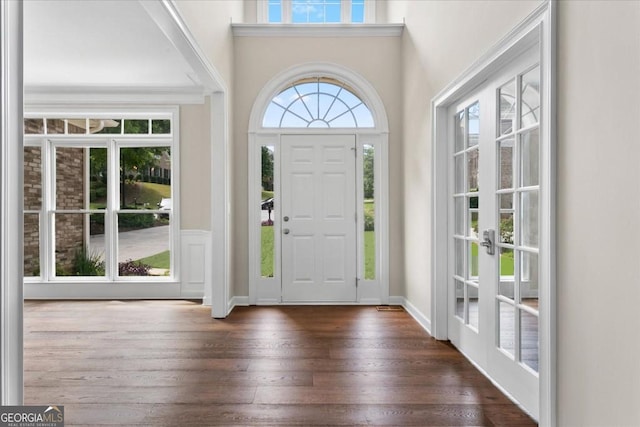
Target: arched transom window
<point>317,103</point>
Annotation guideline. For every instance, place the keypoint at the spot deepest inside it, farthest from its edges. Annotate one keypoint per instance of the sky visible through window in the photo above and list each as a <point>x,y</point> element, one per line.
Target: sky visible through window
<point>316,11</point>
<point>357,11</point>
<point>275,11</point>
<point>317,104</point>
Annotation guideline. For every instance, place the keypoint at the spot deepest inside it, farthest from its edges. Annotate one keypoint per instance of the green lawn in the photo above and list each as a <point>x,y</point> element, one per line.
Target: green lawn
<point>160,260</point>
<point>369,207</point>
<point>506,262</point>
<point>147,193</point>
<point>141,193</point>
<point>267,253</point>
<point>369,255</point>
<point>267,195</point>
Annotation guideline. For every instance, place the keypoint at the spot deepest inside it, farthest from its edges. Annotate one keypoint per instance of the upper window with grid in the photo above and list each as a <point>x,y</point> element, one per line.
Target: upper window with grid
<point>317,103</point>
<point>316,11</point>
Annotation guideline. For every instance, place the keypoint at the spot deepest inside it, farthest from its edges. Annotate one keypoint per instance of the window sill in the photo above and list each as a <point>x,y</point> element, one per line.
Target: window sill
<point>317,30</point>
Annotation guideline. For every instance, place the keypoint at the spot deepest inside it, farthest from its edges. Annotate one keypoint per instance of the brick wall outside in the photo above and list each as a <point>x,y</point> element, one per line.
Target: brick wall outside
<point>32,201</point>
<point>69,228</point>
<point>69,196</point>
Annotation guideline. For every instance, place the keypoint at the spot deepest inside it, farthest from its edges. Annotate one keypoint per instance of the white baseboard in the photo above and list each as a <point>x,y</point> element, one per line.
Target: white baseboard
<point>413,311</point>
<point>237,301</point>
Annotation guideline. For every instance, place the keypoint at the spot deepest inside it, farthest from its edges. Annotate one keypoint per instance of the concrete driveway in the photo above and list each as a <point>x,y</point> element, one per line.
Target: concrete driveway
<point>135,244</point>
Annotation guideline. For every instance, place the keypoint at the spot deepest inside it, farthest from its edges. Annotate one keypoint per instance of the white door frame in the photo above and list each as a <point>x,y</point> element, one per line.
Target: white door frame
<point>267,290</point>
<point>539,27</point>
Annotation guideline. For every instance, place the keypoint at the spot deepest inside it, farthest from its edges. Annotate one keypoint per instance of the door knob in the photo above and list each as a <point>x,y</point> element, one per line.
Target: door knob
<point>286,218</point>
<point>285,231</point>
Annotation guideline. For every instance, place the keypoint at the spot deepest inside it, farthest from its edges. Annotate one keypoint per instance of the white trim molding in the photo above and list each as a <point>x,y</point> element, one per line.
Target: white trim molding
<point>220,206</point>
<point>11,204</point>
<point>99,96</point>
<point>237,301</point>
<point>538,28</point>
<point>317,30</point>
<point>167,17</point>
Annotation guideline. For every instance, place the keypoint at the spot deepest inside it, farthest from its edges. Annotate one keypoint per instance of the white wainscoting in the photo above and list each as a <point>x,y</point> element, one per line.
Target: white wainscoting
<point>195,269</point>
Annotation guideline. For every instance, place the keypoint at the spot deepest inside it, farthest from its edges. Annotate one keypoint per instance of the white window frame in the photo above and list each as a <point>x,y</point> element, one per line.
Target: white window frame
<point>345,13</point>
<point>47,285</point>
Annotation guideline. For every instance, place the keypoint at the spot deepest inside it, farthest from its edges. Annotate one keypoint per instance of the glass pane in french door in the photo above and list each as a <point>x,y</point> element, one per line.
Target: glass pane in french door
<point>517,190</point>
<point>466,206</point>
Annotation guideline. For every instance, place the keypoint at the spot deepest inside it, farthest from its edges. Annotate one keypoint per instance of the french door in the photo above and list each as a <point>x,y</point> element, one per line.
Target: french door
<point>318,222</point>
<point>494,225</point>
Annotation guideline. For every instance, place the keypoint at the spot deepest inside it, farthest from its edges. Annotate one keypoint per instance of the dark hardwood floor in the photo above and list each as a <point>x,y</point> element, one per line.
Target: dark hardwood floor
<point>167,363</point>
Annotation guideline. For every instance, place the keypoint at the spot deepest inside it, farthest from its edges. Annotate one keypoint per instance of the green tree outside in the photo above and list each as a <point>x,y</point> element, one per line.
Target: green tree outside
<point>368,172</point>
<point>267,169</point>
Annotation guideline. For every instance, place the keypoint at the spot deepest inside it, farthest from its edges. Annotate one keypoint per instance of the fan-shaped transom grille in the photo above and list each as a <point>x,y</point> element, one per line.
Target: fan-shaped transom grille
<point>317,103</point>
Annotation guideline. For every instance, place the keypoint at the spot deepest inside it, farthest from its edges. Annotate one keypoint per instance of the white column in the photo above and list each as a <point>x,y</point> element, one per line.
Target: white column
<point>11,203</point>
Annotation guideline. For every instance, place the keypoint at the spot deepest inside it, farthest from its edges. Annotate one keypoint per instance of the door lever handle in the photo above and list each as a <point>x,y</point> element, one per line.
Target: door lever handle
<point>488,241</point>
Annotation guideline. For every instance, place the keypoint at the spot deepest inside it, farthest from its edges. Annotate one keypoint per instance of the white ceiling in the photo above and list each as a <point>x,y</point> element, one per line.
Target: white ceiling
<point>99,44</point>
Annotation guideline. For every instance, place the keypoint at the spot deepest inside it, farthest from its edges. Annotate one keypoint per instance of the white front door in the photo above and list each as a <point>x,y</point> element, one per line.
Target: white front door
<point>318,218</point>
<point>494,228</point>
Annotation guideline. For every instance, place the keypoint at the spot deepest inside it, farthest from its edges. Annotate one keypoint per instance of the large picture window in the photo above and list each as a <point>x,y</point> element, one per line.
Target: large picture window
<point>99,198</point>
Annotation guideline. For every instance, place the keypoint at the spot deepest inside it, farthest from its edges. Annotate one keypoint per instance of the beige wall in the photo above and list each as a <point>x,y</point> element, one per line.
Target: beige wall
<point>208,21</point>
<point>258,60</point>
<point>195,167</point>
<point>441,40</point>
<point>598,213</point>
<point>598,179</point>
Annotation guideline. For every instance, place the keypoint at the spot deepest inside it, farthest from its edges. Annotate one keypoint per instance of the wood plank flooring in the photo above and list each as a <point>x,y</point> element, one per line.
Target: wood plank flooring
<point>167,363</point>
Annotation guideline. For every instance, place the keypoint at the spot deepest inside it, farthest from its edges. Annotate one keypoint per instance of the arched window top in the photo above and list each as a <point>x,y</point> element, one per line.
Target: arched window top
<point>317,103</point>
